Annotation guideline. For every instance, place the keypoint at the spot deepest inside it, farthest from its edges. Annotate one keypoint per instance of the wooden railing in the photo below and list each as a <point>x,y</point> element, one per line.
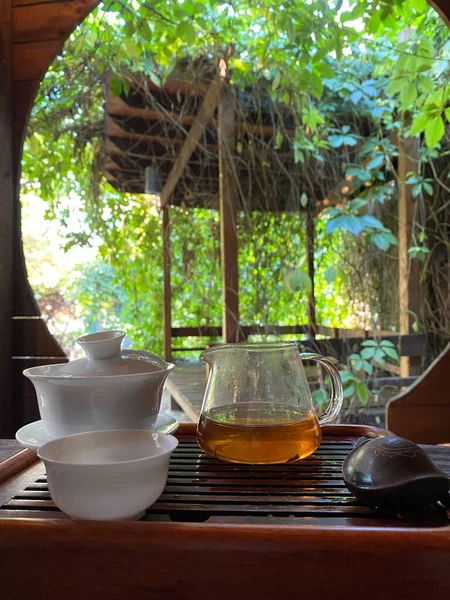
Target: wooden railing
<point>339,342</point>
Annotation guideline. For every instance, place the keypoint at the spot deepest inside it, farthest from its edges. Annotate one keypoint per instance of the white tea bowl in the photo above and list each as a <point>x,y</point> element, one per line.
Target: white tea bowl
<point>108,389</point>
<point>107,475</point>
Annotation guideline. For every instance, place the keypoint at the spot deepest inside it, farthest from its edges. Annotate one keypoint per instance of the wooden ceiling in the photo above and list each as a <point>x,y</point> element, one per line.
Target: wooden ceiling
<point>149,125</point>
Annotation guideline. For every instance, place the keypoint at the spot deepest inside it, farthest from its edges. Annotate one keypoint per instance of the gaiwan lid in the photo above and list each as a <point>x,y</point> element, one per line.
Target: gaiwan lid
<point>105,358</point>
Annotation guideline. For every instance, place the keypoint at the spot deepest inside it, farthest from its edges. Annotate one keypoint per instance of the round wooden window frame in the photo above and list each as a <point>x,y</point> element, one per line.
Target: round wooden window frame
<point>39,30</point>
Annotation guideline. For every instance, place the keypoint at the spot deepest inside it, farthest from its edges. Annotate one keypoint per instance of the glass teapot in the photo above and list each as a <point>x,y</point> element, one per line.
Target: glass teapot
<point>258,408</point>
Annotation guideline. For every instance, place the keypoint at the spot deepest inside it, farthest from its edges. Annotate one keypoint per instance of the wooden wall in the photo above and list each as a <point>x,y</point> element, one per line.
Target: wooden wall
<point>39,28</point>
<point>31,33</point>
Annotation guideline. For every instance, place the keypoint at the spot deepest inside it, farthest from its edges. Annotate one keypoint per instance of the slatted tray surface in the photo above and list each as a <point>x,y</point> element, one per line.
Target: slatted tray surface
<point>202,489</point>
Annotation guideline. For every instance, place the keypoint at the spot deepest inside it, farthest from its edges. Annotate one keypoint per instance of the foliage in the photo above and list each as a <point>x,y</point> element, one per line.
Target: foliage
<point>350,85</point>
<point>361,369</point>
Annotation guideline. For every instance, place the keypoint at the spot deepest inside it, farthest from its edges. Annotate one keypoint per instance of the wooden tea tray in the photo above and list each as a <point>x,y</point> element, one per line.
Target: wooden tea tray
<point>228,531</point>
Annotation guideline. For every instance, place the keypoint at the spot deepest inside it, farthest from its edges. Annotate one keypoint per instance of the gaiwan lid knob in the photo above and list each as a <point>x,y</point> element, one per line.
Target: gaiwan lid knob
<point>103,344</point>
<point>104,357</point>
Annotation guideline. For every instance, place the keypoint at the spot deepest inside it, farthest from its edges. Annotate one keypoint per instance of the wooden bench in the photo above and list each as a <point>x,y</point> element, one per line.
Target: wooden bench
<point>186,386</point>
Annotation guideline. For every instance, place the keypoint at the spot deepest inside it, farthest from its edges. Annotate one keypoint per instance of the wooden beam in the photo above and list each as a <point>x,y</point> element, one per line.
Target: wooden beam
<point>30,61</point>
<point>312,325</point>
<point>7,220</point>
<point>48,21</point>
<point>209,105</point>
<point>227,209</point>
<point>118,107</point>
<point>114,130</point>
<point>167,307</point>
<point>410,290</point>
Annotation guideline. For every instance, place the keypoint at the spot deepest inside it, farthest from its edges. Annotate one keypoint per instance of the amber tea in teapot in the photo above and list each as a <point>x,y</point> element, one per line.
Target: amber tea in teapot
<point>258,408</point>
<point>259,434</point>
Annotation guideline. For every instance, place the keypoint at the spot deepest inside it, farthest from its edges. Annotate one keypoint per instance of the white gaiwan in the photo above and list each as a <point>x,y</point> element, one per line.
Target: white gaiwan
<point>109,389</point>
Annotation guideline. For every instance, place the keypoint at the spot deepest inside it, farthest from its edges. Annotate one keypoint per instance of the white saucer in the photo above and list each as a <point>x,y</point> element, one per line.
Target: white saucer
<point>33,435</point>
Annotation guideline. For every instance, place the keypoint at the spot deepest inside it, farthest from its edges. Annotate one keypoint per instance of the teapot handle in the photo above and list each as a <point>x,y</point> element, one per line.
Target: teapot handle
<point>337,392</point>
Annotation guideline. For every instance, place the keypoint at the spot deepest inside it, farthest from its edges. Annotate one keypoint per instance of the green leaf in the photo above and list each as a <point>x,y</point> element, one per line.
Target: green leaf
<point>369,89</point>
<point>297,280</point>
<point>376,161</point>
<point>358,365</point>
<point>447,114</point>
<point>115,83</point>
<point>129,28</point>
<point>349,390</point>
<point>133,50</point>
<point>357,203</point>
<point>362,174</point>
<point>385,343</point>
<point>186,31</point>
<point>396,85</point>
<point>278,140</point>
<point>345,376</point>
<point>350,140</point>
<point>382,240</point>
<point>412,178</point>
<point>319,396</point>
<point>369,343</point>
<point>426,84</point>
<point>347,222</point>
<point>368,353</point>
<point>426,47</point>
<point>417,190</point>
<point>315,84</point>
<point>304,200</point>
<point>330,274</point>
<point>419,124</point>
<point>378,357</point>
<point>428,188</point>
<point>356,96</point>
<point>346,16</point>
<point>408,95</point>
<point>332,212</point>
<point>362,391</point>
<point>419,5</point>
<point>336,141</point>
<point>367,367</point>
<point>325,70</point>
<point>369,221</point>
<point>391,352</point>
<point>354,356</point>
<point>434,131</point>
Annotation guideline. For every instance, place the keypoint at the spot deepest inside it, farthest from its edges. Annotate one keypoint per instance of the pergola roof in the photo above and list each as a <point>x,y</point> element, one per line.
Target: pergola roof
<point>149,125</point>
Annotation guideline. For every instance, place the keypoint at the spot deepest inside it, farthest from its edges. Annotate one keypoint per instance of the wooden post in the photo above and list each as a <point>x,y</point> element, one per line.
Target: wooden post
<point>7,220</point>
<point>209,105</point>
<point>410,291</point>
<point>312,325</point>
<point>227,204</point>
<point>167,289</point>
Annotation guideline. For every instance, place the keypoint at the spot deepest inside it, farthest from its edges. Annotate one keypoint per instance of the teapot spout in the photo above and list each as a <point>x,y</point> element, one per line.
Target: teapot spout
<point>208,355</point>
<point>205,355</point>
